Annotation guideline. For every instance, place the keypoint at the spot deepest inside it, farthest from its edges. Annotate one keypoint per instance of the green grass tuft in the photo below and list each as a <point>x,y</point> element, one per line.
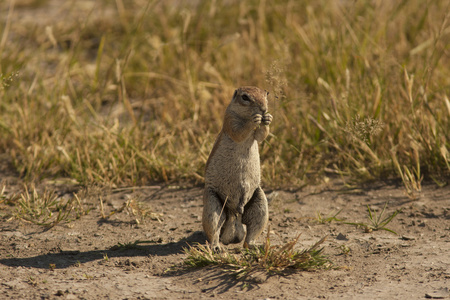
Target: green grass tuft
<point>267,258</point>
<point>45,209</point>
<point>377,222</point>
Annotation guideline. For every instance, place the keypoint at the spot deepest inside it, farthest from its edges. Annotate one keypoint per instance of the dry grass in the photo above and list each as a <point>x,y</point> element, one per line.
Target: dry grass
<point>41,208</point>
<point>135,93</point>
<point>137,210</point>
<point>267,258</point>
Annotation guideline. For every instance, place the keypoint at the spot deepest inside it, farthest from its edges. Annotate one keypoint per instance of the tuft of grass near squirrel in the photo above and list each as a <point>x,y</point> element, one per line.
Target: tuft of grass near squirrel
<point>266,259</point>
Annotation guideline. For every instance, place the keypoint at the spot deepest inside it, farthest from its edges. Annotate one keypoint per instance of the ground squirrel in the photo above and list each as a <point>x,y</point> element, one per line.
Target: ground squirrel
<point>233,195</point>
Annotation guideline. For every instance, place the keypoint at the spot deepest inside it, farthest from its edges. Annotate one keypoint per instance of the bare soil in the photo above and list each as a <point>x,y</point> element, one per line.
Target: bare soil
<point>84,259</point>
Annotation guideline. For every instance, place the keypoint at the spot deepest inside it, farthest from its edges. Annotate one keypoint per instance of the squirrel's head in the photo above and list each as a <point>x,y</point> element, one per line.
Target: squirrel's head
<point>250,99</point>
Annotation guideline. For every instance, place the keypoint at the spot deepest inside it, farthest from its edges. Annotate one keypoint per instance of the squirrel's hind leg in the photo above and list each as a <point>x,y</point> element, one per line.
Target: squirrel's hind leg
<point>256,216</point>
<point>213,218</point>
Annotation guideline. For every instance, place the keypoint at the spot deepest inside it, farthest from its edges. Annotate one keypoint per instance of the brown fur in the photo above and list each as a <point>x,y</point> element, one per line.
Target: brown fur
<point>233,195</point>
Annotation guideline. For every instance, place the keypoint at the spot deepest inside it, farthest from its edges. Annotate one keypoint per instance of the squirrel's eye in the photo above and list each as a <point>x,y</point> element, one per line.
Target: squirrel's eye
<point>245,98</point>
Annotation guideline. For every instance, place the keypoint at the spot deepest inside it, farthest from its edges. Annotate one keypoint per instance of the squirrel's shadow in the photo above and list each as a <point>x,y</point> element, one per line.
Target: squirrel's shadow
<point>219,280</point>
<point>65,259</point>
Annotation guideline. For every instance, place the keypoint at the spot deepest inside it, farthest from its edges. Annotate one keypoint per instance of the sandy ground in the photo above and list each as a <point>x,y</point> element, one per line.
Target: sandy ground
<point>83,259</point>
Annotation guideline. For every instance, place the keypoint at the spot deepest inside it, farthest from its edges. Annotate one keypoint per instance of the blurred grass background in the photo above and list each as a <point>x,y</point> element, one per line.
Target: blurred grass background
<point>133,92</point>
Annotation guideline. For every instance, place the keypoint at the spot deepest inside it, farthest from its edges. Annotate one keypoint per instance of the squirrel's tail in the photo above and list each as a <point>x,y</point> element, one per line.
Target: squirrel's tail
<point>233,231</point>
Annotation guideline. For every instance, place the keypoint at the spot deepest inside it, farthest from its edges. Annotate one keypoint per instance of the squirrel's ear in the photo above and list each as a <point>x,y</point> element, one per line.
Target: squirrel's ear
<point>234,95</point>
<point>267,93</point>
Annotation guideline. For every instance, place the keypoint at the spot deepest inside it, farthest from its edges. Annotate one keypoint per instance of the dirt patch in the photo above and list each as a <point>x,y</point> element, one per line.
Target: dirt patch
<point>91,257</point>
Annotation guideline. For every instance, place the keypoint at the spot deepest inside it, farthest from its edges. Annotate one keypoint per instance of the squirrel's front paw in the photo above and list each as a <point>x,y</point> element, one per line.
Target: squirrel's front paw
<point>267,119</point>
<point>257,118</point>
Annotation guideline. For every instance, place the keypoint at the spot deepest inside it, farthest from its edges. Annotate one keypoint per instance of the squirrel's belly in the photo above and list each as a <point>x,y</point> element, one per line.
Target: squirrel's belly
<point>235,176</point>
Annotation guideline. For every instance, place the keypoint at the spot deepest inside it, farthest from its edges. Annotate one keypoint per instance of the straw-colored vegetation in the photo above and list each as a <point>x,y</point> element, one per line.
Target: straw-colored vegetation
<point>45,209</point>
<point>129,92</point>
<point>266,259</point>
